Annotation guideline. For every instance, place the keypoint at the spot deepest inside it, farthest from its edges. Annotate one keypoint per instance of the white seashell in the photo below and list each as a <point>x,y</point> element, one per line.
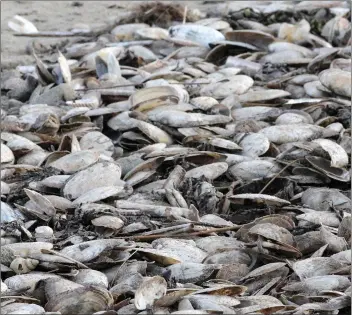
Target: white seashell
<point>254,144</point>
<point>97,141</point>
<point>209,171</point>
<point>292,133</point>
<point>88,277</point>
<point>22,25</point>
<point>198,34</point>
<point>150,290</point>
<point>23,265</point>
<point>22,308</point>
<point>152,33</point>
<point>338,155</point>
<point>65,68</point>
<point>110,222</point>
<point>337,80</point>
<point>7,156</point>
<point>44,234</point>
<point>237,84</point>
<point>21,282</point>
<point>104,173</point>
<point>76,161</point>
<point>250,170</point>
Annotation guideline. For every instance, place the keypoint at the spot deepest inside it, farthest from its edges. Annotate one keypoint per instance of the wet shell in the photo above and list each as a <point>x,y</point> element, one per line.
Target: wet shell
<point>150,290</point>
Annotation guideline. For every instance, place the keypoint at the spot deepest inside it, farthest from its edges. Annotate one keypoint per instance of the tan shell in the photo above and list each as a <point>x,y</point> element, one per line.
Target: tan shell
<point>110,222</point>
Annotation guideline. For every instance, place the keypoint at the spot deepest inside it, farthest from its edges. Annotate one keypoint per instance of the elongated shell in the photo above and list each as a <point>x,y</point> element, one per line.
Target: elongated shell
<point>198,34</point>
<point>338,155</point>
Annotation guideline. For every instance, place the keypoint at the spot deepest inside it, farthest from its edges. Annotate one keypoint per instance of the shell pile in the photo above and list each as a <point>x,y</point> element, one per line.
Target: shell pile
<point>161,166</point>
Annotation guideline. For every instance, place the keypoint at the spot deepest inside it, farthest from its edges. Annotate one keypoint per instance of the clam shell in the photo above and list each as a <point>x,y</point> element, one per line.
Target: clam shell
<point>292,133</point>
<point>150,290</point>
<point>190,272</point>
<point>254,144</point>
<point>7,156</point>
<point>27,281</point>
<point>197,34</point>
<point>259,198</point>
<point>337,80</point>
<point>89,277</point>
<point>76,161</point>
<point>249,170</point>
<point>104,173</point>
<point>210,171</point>
<point>338,155</point>
<point>22,308</point>
<point>110,222</point>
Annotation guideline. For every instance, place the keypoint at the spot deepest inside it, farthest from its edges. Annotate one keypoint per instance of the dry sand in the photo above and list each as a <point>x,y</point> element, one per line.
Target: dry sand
<point>50,16</point>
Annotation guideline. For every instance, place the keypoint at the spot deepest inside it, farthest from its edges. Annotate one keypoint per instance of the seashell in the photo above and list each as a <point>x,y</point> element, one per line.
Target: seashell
<point>97,194</point>
<point>40,203</point>
<point>317,266</point>
<point>155,33</point>
<point>27,281</point>
<point>86,300</point>
<point>249,170</point>
<point>22,308</point>
<point>238,84</point>
<point>292,133</point>
<point>210,171</point>
<point>319,217</point>
<point>258,38</point>
<point>259,199</point>
<point>87,251</point>
<point>263,95</point>
<point>8,214</point>
<point>104,173</point>
<point>110,222</point>
<point>195,34</point>
<point>335,243</point>
<point>23,265</point>
<point>254,144</point>
<point>76,161</point>
<point>152,97</point>
<point>21,25</point>
<point>89,277</point>
<point>64,67</point>
<point>338,155</point>
<point>336,80</point>
<point>7,157</point>
<point>255,113</point>
<point>181,119</point>
<point>285,46</point>
<point>126,31</point>
<point>44,234</point>
<point>323,166</point>
<point>190,272</point>
<point>150,290</point>
<point>316,285</point>
<point>291,118</point>
<point>214,243</point>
